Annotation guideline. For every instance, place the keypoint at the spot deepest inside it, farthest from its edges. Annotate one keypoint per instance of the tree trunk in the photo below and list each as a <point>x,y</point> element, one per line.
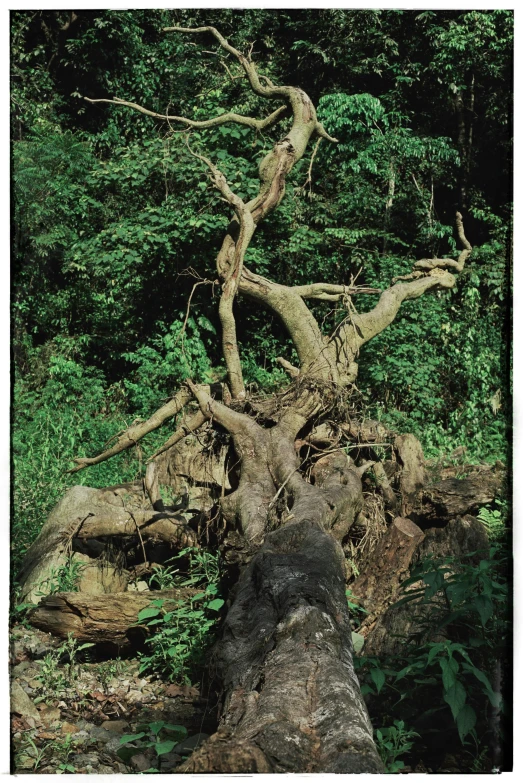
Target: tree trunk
<point>293,701</point>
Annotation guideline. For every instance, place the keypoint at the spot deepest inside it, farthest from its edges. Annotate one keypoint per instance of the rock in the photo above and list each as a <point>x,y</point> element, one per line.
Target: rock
<point>141,586</point>
<point>99,578</point>
<point>136,697</point>
<point>68,728</point>
<point>49,714</point>
<point>169,761</point>
<point>115,725</point>
<point>141,762</point>
<point>20,668</point>
<point>22,704</point>
<point>190,744</point>
<point>25,762</point>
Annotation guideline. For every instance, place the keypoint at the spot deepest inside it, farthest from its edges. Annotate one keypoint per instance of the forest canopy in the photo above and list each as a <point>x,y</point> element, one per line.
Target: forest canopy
<point>382,173</point>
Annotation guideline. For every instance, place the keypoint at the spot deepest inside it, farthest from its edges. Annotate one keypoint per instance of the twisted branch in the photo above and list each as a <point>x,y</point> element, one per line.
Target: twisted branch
<point>239,119</point>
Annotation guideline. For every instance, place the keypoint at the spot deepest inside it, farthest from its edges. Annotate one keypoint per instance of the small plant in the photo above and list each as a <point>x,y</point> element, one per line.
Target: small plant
<point>56,677</point>
<point>164,577</point>
<point>63,749</point>
<point>494,519</point>
<point>63,579</point>
<point>159,735</point>
<point>29,751</point>
<point>182,633</point>
<point>108,670</point>
<point>393,742</point>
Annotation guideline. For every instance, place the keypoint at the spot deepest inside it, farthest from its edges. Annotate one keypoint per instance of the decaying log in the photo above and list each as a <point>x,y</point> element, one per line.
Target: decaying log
<point>99,618</point>
<point>386,633</point>
<point>388,565</point>
<point>293,700</point>
<point>454,497</point>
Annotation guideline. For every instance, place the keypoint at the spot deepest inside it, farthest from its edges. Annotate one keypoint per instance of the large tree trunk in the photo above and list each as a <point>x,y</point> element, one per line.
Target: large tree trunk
<point>293,701</point>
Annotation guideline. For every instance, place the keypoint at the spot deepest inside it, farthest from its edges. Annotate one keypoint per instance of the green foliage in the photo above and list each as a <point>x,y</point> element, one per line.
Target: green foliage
<point>56,675</point>
<point>159,735</point>
<point>392,742</point>
<point>63,579</point>
<point>459,609</point>
<point>181,635</point>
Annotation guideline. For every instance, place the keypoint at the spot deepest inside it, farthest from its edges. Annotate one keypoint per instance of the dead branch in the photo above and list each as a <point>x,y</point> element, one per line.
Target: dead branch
<point>186,428</point>
<point>134,433</point>
<point>239,119</point>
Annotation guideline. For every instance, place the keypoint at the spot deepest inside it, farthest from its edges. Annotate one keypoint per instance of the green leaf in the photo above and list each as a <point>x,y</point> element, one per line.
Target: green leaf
<point>449,668</point>
<point>465,721</point>
<point>455,697</point>
<point>484,608</point>
<point>164,747</point>
<point>378,678</point>
<point>156,726</point>
<point>216,604</point>
<point>146,613</point>
<point>131,737</point>
<point>357,641</point>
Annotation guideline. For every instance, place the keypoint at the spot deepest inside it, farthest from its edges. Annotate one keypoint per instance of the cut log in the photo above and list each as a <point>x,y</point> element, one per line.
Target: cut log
<point>99,618</point>
<point>388,565</point>
<point>387,631</point>
<point>412,478</point>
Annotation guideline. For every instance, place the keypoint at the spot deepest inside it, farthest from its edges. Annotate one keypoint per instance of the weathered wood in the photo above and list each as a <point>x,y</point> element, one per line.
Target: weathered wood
<point>454,497</point>
<point>293,699</point>
<point>388,565</point>
<point>412,477</point>
<point>387,629</point>
<point>85,513</point>
<point>98,618</point>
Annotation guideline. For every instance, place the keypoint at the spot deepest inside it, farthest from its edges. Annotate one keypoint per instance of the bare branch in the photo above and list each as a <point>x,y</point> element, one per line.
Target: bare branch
<point>251,122</point>
<point>449,263</point>
<point>288,367</point>
<point>134,433</point>
<point>331,292</point>
<point>188,425</point>
<point>232,278</point>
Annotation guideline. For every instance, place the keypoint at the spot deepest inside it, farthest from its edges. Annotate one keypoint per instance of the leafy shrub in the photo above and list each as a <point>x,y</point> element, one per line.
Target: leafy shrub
<point>460,610</point>
<point>183,633</point>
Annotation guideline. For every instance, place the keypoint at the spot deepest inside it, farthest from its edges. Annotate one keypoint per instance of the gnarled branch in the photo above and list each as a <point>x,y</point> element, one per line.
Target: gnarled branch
<point>137,431</point>
<point>239,119</point>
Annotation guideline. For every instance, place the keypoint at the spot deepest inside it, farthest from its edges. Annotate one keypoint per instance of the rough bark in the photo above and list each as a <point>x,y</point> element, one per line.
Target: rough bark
<point>293,700</point>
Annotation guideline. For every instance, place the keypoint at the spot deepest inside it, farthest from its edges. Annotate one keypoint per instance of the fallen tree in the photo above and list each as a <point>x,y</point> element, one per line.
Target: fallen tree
<point>281,494</point>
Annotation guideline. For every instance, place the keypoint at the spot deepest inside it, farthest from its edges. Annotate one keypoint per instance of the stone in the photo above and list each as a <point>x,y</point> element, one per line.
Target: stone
<point>190,743</point>
<point>141,762</point>
<point>20,668</point>
<point>68,728</point>
<point>22,704</point>
<point>115,725</point>
<point>49,714</point>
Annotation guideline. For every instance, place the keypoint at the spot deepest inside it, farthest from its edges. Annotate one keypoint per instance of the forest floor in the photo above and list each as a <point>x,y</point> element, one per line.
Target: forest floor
<point>70,717</point>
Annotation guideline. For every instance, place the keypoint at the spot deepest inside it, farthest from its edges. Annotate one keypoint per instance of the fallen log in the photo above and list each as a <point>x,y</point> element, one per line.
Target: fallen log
<point>85,513</point>
<point>100,618</point>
